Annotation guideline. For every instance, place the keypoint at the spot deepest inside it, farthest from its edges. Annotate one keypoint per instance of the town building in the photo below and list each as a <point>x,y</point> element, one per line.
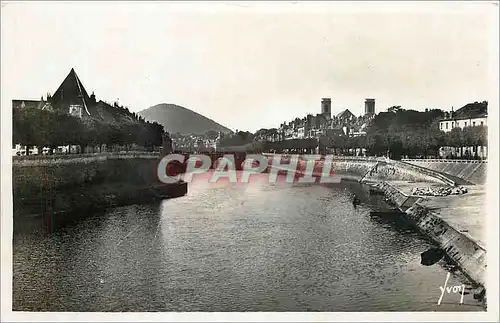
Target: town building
<point>470,115</point>
<point>313,126</point>
<point>72,98</point>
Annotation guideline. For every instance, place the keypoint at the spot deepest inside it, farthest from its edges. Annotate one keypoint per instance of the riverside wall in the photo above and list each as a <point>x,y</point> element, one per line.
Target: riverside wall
<point>467,254</point>
<point>473,171</point>
<point>55,184</point>
<point>462,250</point>
<point>390,170</point>
<point>373,169</point>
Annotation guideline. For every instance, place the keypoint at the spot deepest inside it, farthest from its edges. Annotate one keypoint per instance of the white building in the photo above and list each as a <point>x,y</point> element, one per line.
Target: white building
<point>471,115</point>
<point>20,150</point>
<point>301,132</point>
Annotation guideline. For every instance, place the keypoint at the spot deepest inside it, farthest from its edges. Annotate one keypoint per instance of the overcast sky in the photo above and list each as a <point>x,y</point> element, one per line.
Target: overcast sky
<point>253,65</point>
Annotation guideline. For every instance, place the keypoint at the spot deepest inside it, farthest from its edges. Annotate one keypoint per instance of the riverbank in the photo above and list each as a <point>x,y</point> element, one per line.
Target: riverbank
<point>472,171</point>
<point>454,223</point>
<point>54,186</point>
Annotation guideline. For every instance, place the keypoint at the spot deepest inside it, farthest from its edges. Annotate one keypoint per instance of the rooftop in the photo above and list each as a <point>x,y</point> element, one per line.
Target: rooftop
<point>470,111</point>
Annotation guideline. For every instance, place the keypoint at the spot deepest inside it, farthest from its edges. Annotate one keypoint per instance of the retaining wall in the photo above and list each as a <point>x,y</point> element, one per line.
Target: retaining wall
<point>354,166</point>
<point>474,171</point>
<point>56,184</point>
<point>395,170</point>
<point>383,169</point>
<point>466,253</point>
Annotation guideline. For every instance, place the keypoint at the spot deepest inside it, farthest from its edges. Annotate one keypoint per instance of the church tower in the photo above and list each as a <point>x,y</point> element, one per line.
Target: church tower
<point>369,107</point>
<point>326,108</point>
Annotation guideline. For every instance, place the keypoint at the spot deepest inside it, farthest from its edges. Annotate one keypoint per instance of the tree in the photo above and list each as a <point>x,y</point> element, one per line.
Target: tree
<point>400,132</point>
<point>24,123</point>
<point>395,108</point>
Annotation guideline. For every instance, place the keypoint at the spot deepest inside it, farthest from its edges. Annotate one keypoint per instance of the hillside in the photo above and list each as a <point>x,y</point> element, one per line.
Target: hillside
<point>104,112</point>
<point>175,119</point>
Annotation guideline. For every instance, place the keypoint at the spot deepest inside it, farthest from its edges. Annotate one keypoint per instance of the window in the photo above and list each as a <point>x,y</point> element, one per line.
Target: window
<point>75,110</point>
<point>482,124</point>
<point>440,126</point>
<point>473,123</point>
<point>465,123</point>
<point>447,125</point>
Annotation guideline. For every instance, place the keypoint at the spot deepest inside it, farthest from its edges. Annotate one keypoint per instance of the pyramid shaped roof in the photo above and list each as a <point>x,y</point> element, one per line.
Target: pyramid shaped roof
<point>72,92</point>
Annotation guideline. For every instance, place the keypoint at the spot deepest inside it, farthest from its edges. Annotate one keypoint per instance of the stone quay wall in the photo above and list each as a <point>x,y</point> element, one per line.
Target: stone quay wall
<point>466,253</point>
<point>373,169</point>
<point>469,256</point>
<point>473,171</point>
<point>52,184</point>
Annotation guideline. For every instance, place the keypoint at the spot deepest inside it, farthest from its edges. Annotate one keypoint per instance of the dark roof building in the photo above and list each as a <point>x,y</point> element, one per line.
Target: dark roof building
<point>470,115</point>
<point>72,93</point>
<point>71,97</point>
<point>346,115</point>
<point>469,111</point>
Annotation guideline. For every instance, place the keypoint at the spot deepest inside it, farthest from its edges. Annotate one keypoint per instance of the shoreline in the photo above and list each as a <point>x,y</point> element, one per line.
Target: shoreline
<point>462,250</point>
<point>64,202</point>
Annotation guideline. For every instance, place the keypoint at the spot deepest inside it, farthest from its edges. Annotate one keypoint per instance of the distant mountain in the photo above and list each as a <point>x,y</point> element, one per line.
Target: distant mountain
<point>175,119</point>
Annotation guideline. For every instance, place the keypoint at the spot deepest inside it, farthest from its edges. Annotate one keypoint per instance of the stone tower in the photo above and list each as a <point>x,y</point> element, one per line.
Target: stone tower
<point>326,107</point>
<point>369,107</point>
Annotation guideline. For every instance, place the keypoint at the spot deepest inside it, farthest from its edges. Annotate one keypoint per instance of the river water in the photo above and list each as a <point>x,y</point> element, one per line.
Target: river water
<point>254,247</point>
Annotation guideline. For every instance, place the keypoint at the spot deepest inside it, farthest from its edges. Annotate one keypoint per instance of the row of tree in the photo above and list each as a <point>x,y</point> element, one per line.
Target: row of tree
<point>35,127</point>
<point>239,138</point>
<point>409,143</point>
<point>400,132</point>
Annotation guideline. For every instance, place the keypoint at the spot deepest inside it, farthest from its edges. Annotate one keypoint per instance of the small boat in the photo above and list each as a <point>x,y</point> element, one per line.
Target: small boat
<point>356,201</point>
<point>431,256</point>
<point>376,191</point>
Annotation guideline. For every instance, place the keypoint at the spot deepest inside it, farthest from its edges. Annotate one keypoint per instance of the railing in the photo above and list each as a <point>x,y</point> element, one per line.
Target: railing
<point>77,158</point>
<point>73,155</point>
<point>472,161</point>
<point>335,157</point>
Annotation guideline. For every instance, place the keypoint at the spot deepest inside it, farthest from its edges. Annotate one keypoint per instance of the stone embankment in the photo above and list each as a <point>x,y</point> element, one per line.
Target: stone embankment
<point>48,185</point>
<point>465,252</point>
<point>378,169</point>
<point>461,248</point>
<point>473,171</point>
